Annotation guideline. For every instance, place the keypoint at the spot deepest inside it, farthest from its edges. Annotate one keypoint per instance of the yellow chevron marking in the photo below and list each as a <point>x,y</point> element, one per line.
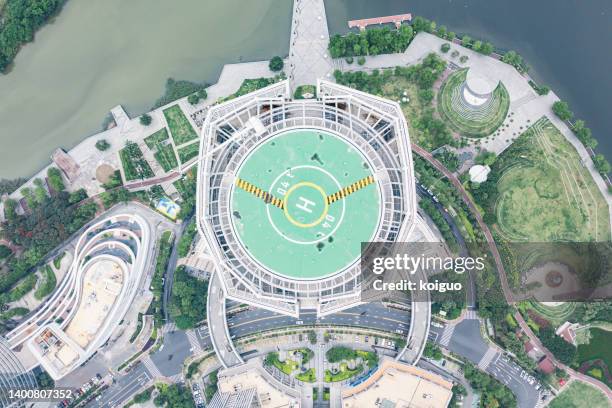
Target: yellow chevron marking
<point>348,190</point>
<point>259,193</point>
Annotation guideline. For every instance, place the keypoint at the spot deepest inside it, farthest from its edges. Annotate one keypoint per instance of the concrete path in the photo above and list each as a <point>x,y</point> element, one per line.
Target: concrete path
<point>309,59</point>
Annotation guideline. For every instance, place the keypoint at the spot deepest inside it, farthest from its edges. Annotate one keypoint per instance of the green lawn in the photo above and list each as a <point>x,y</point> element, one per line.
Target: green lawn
<point>546,194</point>
<point>180,128</point>
<point>580,395</point>
<point>471,122</point>
<point>394,89</point>
<point>598,348</point>
<point>343,374</point>
<point>288,366</point>
<point>156,138</point>
<point>47,284</point>
<point>307,376</point>
<point>165,157</point>
<point>554,314</point>
<point>188,152</point>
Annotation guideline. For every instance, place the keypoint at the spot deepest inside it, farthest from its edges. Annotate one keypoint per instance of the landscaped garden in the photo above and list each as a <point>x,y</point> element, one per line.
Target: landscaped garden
<point>165,157</point>
<point>468,120</point>
<point>413,88</point>
<point>595,357</point>
<point>159,143</point>
<point>188,152</point>
<point>538,190</point>
<point>293,362</point>
<point>134,164</point>
<point>347,363</point>
<point>180,128</point>
<point>156,138</point>
<point>580,395</point>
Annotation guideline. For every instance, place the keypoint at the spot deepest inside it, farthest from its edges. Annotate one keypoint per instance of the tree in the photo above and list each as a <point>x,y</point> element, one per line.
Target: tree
<point>102,145</point>
<point>562,350</point>
<point>276,64</point>
<point>601,164</point>
<point>146,119</point>
<point>193,99</point>
<point>584,134</point>
<point>445,47</point>
<point>466,41</point>
<point>4,252</point>
<point>487,48</point>
<point>20,20</point>
<point>442,31</point>
<point>202,94</point>
<point>432,351</point>
<point>562,110</point>
<point>477,46</point>
<point>514,59</point>
<point>486,158</point>
<point>54,177</point>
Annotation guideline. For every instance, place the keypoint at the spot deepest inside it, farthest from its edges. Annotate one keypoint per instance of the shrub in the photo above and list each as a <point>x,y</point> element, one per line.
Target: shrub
<point>349,60</point>
<point>361,60</point>
<point>146,119</point>
<point>276,64</point>
<point>193,99</point>
<point>562,110</point>
<point>445,47</point>
<point>601,164</point>
<point>102,145</point>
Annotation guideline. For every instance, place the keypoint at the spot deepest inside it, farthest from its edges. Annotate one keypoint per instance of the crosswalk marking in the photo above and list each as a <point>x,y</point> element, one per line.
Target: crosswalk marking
<point>449,329</point>
<point>193,341</point>
<point>471,314</point>
<point>169,327</point>
<point>485,361</point>
<point>150,365</point>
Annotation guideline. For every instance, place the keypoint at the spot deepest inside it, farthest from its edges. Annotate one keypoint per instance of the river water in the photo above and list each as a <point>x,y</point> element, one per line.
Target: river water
<point>100,53</point>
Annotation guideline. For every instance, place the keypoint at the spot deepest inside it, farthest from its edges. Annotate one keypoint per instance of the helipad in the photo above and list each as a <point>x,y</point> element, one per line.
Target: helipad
<point>302,203</point>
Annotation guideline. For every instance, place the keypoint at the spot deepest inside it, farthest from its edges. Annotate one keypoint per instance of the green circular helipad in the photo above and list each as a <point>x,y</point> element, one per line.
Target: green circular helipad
<point>303,202</point>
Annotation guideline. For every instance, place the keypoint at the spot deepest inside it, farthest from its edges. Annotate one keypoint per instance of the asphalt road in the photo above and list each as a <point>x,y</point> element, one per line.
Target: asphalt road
<point>123,388</point>
<point>466,341</point>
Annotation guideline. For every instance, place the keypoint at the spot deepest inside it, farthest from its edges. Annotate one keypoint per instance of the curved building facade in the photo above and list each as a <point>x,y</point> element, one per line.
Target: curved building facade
<point>288,190</point>
<point>92,298</point>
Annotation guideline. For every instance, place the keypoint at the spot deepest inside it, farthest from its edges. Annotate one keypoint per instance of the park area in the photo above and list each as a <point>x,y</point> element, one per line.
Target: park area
<point>188,152</point>
<point>580,395</point>
<point>346,363</point>
<point>180,128</point>
<point>540,191</point>
<point>135,166</point>
<point>159,143</point>
<point>293,362</point>
<point>595,357</point>
<point>467,120</point>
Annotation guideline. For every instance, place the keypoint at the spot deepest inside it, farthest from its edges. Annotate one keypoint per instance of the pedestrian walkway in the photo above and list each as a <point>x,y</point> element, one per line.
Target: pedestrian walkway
<point>449,329</point>
<point>487,358</point>
<point>309,59</point>
<point>196,348</point>
<point>151,367</point>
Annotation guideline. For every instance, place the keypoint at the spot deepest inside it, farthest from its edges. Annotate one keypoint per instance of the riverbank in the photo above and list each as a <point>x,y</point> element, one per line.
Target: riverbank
<point>101,53</point>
